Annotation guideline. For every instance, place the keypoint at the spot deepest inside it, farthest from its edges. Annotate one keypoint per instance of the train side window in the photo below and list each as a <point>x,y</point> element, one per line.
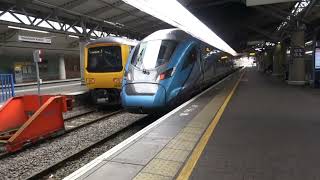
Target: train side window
<point>191,58</point>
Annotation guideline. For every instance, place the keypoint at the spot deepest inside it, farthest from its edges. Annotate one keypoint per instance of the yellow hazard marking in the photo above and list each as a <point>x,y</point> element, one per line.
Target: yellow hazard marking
<point>193,159</point>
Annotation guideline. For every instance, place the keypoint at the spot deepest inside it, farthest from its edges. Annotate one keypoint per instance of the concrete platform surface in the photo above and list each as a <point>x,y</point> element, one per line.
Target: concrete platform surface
<point>66,88</point>
<point>269,131</point>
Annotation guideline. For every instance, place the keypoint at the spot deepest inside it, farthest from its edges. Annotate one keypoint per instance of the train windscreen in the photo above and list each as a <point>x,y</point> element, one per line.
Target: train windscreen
<point>104,59</point>
<point>152,54</point>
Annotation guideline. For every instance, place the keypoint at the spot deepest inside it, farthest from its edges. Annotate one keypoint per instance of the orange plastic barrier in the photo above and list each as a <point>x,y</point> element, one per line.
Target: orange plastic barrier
<point>23,121</point>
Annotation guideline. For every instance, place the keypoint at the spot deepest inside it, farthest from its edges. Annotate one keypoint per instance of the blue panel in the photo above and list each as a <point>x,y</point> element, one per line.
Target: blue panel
<point>7,87</point>
<point>144,101</point>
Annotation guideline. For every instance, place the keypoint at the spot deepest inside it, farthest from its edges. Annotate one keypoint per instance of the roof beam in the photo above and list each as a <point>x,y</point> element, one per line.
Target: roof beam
<point>308,9</point>
<point>7,10</point>
<point>44,11</point>
<point>83,16</point>
<point>73,4</point>
<point>286,14</point>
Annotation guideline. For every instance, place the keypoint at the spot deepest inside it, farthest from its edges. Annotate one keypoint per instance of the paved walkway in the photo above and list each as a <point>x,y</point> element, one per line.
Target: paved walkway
<point>269,131</point>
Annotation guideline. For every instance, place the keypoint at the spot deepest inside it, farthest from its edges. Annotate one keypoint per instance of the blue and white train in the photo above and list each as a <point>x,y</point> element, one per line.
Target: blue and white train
<point>168,67</point>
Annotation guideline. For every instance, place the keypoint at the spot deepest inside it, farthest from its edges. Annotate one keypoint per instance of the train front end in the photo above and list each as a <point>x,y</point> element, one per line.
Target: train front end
<point>147,76</point>
<point>103,71</point>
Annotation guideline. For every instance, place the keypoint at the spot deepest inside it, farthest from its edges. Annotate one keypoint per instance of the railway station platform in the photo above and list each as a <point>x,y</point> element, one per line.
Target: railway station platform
<point>65,87</point>
<point>247,126</point>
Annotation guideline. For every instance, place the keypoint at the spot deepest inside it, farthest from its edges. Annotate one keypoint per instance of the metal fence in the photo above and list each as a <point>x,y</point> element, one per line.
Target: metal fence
<point>6,87</point>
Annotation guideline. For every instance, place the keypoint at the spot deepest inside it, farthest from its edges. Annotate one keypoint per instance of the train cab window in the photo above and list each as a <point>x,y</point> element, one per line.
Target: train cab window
<point>104,59</point>
<point>152,54</point>
<point>191,58</point>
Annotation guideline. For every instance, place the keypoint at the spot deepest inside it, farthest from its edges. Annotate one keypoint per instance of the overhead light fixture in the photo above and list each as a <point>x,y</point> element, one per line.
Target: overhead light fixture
<point>288,51</point>
<point>172,12</point>
<point>224,57</point>
<point>309,42</point>
<point>309,52</point>
<point>26,29</point>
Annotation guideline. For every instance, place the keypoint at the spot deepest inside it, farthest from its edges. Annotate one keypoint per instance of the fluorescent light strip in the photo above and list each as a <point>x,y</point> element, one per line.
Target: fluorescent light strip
<point>26,29</point>
<point>309,52</point>
<point>309,42</point>
<point>172,12</point>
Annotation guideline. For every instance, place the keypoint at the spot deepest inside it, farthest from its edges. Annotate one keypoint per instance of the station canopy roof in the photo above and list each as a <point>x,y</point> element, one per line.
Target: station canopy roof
<point>235,21</point>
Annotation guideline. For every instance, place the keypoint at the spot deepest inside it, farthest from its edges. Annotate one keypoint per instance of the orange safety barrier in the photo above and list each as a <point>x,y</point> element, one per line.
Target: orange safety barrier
<point>23,121</point>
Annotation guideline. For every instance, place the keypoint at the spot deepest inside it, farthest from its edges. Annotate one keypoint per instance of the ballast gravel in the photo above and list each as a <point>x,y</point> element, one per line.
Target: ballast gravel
<point>40,156</point>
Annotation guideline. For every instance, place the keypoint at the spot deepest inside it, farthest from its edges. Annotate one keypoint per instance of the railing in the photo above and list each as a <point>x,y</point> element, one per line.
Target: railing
<point>6,87</point>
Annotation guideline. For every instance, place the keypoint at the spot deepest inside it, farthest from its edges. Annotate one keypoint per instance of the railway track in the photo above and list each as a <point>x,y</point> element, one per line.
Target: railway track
<point>79,115</point>
<point>143,122</point>
<point>73,123</point>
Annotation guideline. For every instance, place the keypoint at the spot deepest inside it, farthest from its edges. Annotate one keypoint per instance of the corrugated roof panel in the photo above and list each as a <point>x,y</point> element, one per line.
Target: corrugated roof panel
<point>128,19</point>
<point>111,13</point>
<point>126,7</point>
<point>89,6</point>
<point>57,2</point>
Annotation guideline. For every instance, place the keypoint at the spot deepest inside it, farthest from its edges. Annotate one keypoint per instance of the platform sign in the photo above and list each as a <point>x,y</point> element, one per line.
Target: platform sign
<point>298,52</point>
<point>317,59</point>
<point>32,39</point>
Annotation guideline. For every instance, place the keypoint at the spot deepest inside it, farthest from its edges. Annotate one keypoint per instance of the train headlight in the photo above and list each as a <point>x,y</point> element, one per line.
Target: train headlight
<point>90,80</point>
<point>167,74</point>
<point>117,82</point>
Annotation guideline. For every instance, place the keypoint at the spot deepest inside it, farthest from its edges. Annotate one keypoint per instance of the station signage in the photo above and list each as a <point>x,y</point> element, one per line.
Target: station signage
<point>298,52</point>
<point>34,39</point>
<point>317,59</point>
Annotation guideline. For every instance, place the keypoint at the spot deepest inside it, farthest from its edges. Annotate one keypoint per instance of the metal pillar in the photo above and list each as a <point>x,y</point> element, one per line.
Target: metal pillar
<point>82,43</point>
<point>267,60</point>
<point>279,60</point>
<point>62,68</point>
<point>260,62</point>
<point>276,60</point>
<point>296,63</point>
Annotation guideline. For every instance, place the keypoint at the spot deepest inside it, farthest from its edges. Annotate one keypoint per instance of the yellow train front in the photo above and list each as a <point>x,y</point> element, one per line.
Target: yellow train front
<point>104,65</point>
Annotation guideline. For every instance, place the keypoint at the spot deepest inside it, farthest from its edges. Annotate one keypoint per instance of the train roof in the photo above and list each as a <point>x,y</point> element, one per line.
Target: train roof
<point>171,34</point>
<point>119,40</point>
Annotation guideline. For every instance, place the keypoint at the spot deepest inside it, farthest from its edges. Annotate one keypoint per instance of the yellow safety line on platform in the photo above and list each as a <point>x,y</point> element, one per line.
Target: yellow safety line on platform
<point>193,159</point>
